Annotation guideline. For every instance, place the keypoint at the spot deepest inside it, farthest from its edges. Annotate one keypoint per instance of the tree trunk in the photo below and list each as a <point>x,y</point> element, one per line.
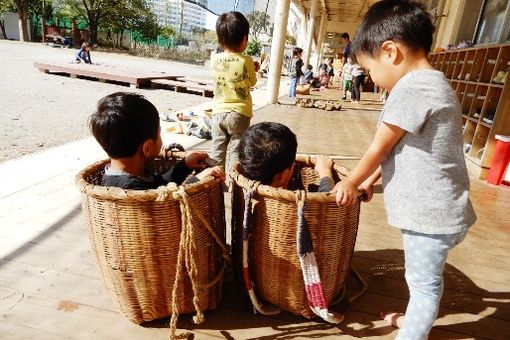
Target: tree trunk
<point>2,27</point>
<point>93,22</point>
<point>22,23</point>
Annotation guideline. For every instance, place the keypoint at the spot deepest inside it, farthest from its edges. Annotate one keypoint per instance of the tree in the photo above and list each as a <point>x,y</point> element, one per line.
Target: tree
<point>254,47</point>
<point>259,21</point>
<point>22,8</point>
<point>290,39</point>
<point>5,6</point>
<point>134,15</point>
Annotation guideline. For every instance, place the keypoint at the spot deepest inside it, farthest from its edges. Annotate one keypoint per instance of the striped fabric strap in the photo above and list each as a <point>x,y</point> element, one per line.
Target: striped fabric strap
<point>248,284</point>
<point>310,269</point>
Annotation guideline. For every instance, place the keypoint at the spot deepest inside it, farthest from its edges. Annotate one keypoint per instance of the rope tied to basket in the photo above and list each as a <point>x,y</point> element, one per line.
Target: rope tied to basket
<point>309,268</point>
<point>186,258</point>
<point>248,283</point>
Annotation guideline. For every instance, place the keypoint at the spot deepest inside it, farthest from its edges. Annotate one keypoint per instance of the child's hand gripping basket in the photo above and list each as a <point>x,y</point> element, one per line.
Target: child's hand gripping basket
<point>294,247</point>
<point>161,252</point>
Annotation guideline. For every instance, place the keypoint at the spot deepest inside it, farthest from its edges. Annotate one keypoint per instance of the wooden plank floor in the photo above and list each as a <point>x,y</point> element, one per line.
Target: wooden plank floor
<point>105,73</point>
<point>51,288</point>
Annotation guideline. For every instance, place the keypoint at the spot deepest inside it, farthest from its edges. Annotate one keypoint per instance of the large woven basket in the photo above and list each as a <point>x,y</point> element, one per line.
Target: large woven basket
<point>138,238</point>
<point>273,258</point>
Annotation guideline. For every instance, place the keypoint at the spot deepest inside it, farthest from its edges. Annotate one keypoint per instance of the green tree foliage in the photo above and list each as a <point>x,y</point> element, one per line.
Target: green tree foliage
<point>254,47</point>
<point>290,39</point>
<point>115,16</point>
<point>259,22</point>
<point>134,15</point>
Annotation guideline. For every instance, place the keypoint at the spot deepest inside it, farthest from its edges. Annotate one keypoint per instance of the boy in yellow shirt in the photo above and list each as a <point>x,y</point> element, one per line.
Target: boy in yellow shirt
<point>234,75</point>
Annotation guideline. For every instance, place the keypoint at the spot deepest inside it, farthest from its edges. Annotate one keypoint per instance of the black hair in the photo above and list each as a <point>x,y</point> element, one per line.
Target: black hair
<point>266,149</point>
<point>345,35</point>
<point>231,29</point>
<point>310,67</point>
<point>402,21</point>
<point>296,51</point>
<point>124,121</point>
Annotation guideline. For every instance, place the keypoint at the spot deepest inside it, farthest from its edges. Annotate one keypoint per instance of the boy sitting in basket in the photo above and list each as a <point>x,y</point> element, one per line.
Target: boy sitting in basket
<point>126,125</point>
<point>267,152</point>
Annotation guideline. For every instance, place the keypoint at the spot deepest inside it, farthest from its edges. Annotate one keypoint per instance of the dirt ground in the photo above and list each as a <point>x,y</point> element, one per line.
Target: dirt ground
<point>39,110</point>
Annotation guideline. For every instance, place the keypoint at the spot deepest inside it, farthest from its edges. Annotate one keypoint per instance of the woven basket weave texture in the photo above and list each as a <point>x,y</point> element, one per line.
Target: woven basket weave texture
<point>135,235</point>
<point>273,257</point>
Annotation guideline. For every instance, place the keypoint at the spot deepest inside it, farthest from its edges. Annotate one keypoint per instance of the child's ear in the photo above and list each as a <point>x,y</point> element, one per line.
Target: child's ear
<point>389,51</point>
<point>148,147</point>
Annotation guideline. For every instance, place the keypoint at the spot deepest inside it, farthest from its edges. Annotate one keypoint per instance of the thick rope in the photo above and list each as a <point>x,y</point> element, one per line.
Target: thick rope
<point>309,268</point>
<point>187,248</point>
<point>248,284</point>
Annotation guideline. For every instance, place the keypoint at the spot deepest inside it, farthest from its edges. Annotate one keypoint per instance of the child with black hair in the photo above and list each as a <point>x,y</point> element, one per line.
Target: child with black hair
<point>296,65</point>
<point>234,76</point>
<point>126,125</point>
<point>83,54</point>
<point>267,152</point>
<point>417,149</point>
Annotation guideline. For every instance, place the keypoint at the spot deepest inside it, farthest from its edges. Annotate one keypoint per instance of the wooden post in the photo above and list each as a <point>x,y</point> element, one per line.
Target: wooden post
<point>277,49</point>
<point>322,32</point>
<point>312,23</point>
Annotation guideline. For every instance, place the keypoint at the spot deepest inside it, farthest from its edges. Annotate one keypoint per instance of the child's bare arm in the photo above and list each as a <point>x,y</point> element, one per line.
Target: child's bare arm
<point>386,137</point>
<point>323,166</point>
<point>216,171</point>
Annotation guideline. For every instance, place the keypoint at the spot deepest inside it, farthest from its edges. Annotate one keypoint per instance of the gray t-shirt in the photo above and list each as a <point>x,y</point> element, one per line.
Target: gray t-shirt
<point>425,180</point>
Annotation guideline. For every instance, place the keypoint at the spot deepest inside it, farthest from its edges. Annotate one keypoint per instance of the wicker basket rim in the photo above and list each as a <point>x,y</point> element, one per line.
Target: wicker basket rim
<point>286,194</point>
<point>162,193</point>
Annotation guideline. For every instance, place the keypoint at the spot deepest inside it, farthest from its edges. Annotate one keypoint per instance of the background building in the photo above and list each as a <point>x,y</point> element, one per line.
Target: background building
<point>170,13</point>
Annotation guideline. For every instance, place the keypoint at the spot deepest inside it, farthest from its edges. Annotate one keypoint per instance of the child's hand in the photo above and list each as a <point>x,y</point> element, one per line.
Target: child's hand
<point>196,160</point>
<point>346,192</point>
<point>323,165</point>
<point>216,171</point>
<point>369,191</point>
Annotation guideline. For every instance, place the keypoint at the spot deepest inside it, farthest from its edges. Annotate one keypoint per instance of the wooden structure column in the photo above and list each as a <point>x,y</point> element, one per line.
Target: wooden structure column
<point>277,49</point>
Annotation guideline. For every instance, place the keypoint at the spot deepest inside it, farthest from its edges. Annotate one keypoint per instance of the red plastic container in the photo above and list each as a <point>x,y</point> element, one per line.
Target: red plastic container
<point>500,161</point>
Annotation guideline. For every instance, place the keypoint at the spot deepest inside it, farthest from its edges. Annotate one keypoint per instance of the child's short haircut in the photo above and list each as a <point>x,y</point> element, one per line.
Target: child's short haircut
<point>310,67</point>
<point>266,149</point>
<point>85,45</point>
<point>124,121</point>
<point>345,35</point>
<point>231,29</point>
<point>403,21</point>
<point>296,51</point>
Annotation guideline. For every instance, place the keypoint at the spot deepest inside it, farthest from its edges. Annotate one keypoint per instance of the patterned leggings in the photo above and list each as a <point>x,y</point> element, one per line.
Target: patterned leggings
<point>425,257</point>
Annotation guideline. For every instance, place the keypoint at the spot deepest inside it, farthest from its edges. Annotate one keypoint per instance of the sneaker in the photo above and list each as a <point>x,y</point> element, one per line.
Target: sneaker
<point>476,115</point>
<point>344,98</point>
<point>488,121</point>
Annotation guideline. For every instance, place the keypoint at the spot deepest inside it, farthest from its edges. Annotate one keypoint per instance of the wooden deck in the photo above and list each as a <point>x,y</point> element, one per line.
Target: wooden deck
<point>105,73</point>
<point>202,87</point>
<point>50,287</point>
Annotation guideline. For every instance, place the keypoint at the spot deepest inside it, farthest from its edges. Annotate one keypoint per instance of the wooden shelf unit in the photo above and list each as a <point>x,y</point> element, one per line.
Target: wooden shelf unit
<point>471,73</point>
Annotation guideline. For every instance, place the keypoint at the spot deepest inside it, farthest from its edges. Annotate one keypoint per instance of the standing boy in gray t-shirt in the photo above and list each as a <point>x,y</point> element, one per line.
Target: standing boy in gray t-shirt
<point>417,149</point>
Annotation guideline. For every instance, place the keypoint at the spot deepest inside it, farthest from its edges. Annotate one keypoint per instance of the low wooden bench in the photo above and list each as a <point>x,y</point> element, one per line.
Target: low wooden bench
<point>181,85</point>
<point>106,73</point>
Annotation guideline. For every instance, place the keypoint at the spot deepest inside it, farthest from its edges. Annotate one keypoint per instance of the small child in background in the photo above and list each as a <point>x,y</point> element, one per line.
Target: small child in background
<point>358,76</point>
<point>126,125</point>
<point>296,65</point>
<point>234,76</point>
<point>308,75</point>
<point>417,149</point>
<point>347,76</point>
<point>83,54</point>
<point>267,152</point>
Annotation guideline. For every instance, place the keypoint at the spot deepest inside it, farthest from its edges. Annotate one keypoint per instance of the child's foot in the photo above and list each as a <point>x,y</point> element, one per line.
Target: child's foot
<point>393,318</point>
<point>344,98</point>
